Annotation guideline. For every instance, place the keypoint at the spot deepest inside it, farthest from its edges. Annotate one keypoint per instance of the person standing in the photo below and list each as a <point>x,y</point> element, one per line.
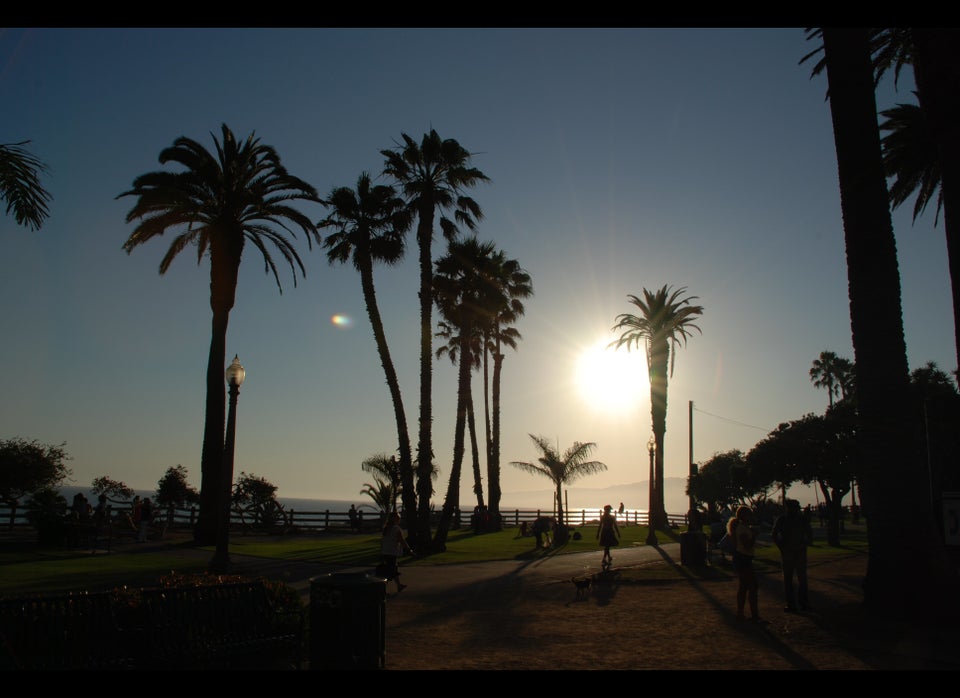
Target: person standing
<point>392,546</point>
<point>608,533</point>
<point>146,516</point>
<point>745,534</point>
<point>792,534</point>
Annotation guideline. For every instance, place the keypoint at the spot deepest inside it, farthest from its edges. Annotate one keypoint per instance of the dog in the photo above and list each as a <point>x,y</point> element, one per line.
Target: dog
<point>583,586</point>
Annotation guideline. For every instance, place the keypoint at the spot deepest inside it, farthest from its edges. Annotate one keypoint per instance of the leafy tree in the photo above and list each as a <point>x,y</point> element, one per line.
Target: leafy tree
<point>20,185</point>
<point>369,225</point>
<point>218,203</point>
<point>27,467</point>
<point>114,489</point>
<point>561,470</point>
<point>173,490</point>
<point>665,321</point>
<point>891,480</point>
<point>721,481</point>
<point>255,495</point>
<point>432,176</point>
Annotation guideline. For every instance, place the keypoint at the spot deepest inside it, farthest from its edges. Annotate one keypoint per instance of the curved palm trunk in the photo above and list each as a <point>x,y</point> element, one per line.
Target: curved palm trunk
<point>224,270</point>
<point>403,436</point>
<point>892,474</point>
<point>937,75</point>
<point>421,533</point>
<point>658,362</point>
<point>475,453</point>
<point>452,500</point>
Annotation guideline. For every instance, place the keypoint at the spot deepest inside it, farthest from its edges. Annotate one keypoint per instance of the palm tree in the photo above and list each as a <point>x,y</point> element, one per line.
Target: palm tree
<point>467,296</point>
<point>665,321</point>
<point>20,184</point>
<point>562,470</point>
<point>891,478</point>
<point>432,176</point>
<point>369,224</point>
<point>385,469</point>
<point>516,285</point>
<point>833,373</point>
<point>220,201</point>
<point>382,494</point>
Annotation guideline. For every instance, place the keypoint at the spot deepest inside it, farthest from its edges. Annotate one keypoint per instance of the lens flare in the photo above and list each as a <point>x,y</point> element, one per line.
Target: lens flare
<point>341,320</point>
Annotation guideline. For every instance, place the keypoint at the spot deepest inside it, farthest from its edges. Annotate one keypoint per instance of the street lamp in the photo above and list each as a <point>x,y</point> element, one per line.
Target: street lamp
<point>235,375</point>
<point>651,529</point>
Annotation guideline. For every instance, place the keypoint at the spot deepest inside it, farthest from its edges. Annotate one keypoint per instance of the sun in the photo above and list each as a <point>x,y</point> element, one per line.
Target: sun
<point>612,380</point>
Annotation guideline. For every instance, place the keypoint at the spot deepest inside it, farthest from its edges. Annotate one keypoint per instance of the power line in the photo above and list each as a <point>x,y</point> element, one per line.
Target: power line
<point>732,421</point>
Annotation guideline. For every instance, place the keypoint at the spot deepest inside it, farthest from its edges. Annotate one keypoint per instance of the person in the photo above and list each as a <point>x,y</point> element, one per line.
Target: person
<point>745,534</point>
<point>354,524</point>
<point>392,546</point>
<point>81,507</point>
<point>101,513</point>
<point>620,510</point>
<point>792,534</point>
<point>135,513</point>
<point>146,516</point>
<point>608,533</point>
<point>541,529</point>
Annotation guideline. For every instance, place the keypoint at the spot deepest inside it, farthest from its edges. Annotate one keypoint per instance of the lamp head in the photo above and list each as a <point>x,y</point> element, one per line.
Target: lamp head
<point>235,372</point>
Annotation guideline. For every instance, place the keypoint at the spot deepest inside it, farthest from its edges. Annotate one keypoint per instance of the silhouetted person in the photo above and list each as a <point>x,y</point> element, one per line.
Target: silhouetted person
<point>792,534</point>
<point>392,546</point>
<point>354,521</point>
<point>745,534</point>
<point>608,533</point>
<point>146,516</point>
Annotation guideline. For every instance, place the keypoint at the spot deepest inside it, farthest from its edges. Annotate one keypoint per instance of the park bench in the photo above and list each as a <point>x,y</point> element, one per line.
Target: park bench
<point>231,625</point>
<point>65,631</point>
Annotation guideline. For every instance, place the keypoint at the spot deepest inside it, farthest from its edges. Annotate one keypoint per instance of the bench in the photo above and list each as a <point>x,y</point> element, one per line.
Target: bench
<point>232,625</point>
<point>65,631</point>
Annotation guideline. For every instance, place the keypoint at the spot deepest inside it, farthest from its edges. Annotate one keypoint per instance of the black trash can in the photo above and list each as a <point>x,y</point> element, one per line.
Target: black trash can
<point>348,613</point>
<point>693,548</point>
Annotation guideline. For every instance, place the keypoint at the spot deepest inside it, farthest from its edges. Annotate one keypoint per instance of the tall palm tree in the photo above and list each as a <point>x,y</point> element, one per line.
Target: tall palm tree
<point>562,470</point>
<point>891,476</point>
<point>665,321</point>
<point>218,202</point>
<point>20,184</point>
<point>833,373</point>
<point>369,225</point>
<point>516,285</point>
<point>433,176</point>
<point>467,295</point>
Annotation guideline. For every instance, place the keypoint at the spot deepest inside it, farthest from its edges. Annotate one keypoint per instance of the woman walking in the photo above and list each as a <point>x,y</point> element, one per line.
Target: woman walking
<point>608,533</point>
<point>741,528</point>
<point>392,546</point>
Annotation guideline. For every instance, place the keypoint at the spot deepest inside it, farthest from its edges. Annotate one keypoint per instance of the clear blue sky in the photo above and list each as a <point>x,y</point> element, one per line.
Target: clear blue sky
<point>619,159</point>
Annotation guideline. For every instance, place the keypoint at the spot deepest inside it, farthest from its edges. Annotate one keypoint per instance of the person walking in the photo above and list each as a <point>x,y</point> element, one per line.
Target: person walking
<point>608,533</point>
<point>792,534</point>
<point>392,546</point>
<point>146,516</point>
<point>745,534</point>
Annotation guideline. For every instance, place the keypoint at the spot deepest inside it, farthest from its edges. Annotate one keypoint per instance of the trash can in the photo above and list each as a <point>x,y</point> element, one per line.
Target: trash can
<point>693,548</point>
<point>347,621</point>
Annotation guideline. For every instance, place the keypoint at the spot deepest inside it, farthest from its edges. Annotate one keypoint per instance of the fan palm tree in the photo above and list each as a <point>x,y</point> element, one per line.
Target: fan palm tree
<point>516,285</point>
<point>433,176</point>
<point>833,373</point>
<point>891,478</point>
<point>665,321</point>
<point>20,184</point>
<point>385,469</point>
<point>218,203</point>
<point>562,470</point>
<point>467,296</point>
<point>368,225</point>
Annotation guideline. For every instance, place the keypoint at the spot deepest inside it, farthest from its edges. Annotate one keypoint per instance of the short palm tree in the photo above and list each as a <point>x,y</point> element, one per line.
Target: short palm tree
<point>369,224</point>
<point>20,184</point>
<point>220,201</point>
<point>665,321</point>
<point>562,470</point>
<point>433,176</point>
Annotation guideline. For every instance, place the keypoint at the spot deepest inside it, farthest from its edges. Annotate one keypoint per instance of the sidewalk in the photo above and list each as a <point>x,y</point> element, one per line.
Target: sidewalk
<point>510,615</point>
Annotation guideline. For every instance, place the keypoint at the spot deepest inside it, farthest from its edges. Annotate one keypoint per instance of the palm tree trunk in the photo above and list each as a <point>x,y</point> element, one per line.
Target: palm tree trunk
<point>421,533</point>
<point>475,453</point>
<point>493,464</point>
<point>892,477</point>
<point>658,362</point>
<point>403,436</point>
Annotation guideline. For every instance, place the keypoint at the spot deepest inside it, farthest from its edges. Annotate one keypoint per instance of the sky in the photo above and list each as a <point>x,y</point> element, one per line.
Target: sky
<point>619,160</point>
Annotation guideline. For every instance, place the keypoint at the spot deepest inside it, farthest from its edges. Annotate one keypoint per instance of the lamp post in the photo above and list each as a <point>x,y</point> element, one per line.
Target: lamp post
<point>235,375</point>
<point>651,529</point>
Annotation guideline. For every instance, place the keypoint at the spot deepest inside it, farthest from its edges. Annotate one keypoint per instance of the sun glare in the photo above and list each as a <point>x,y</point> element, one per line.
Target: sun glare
<point>612,380</point>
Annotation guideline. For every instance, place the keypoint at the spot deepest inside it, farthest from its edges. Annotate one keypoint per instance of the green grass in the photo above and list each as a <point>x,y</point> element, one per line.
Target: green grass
<point>27,568</point>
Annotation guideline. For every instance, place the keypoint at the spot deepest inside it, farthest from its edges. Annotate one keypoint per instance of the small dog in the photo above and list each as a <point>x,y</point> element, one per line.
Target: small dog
<point>583,586</point>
